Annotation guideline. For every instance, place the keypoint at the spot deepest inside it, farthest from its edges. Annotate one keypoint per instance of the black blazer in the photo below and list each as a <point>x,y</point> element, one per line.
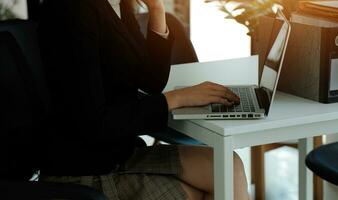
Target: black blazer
<point>95,63</point>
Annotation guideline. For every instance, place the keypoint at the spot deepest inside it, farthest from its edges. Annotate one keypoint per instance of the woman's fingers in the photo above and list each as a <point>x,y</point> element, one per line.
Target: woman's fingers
<point>219,100</point>
<point>224,94</point>
<point>216,93</point>
<point>215,86</point>
<point>222,91</point>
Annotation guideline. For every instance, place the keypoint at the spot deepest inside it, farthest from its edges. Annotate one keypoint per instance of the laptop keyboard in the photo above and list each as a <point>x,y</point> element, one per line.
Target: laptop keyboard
<point>246,103</point>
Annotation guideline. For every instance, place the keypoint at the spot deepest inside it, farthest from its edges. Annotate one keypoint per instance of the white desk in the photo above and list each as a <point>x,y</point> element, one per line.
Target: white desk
<point>291,118</point>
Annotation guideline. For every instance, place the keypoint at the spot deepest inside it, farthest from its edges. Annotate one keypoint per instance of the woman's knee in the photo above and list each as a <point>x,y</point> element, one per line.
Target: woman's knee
<point>204,155</point>
<point>238,166</point>
<point>237,160</point>
<point>239,171</point>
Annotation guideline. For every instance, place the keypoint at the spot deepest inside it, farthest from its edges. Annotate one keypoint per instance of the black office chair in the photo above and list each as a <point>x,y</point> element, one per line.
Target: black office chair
<point>183,52</point>
<point>323,161</point>
<point>47,191</point>
<point>23,105</point>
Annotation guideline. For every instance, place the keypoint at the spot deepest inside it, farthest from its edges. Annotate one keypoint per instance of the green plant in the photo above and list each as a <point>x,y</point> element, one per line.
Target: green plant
<point>247,12</point>
<point>6,11</point>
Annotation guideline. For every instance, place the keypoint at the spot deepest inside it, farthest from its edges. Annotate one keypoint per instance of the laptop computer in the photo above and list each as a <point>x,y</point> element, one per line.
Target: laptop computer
<point>255,101</point>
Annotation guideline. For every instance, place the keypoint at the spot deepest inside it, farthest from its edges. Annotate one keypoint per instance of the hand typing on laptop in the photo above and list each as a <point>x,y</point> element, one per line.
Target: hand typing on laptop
<point>256,100</point>
<point>201,95</point>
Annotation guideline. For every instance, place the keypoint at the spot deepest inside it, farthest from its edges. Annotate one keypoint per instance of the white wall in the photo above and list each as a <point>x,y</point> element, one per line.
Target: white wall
<point>214,37</point>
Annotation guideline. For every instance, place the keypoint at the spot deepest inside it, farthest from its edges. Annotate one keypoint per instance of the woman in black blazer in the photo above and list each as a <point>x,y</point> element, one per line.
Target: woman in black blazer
<point>96,60</point>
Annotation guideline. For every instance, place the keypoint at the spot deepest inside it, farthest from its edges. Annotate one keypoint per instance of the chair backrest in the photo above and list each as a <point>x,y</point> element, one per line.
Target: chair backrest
<point>183,51</point>
<point>24,98</point>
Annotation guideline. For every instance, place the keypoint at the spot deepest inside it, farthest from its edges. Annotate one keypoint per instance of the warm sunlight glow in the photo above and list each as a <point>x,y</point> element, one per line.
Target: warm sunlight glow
<point>214,37</point>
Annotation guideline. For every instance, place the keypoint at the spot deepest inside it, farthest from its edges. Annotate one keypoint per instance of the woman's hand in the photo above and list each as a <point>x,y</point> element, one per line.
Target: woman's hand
<point>201,95</point>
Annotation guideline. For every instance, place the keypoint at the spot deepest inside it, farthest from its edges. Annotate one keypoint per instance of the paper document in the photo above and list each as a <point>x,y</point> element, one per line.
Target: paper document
<point>239,71</point>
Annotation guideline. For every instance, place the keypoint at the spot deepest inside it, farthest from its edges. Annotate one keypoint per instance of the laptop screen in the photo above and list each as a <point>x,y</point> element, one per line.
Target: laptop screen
<point>274,60</point>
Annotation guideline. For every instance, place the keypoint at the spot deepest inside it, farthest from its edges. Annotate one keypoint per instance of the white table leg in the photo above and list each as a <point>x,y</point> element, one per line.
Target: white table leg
<point>223,169</point>
<point>330,191</point>
<point>305,175</point>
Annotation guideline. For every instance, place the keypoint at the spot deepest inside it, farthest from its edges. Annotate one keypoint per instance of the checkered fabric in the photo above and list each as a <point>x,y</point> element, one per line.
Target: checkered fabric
<point>150,174</point>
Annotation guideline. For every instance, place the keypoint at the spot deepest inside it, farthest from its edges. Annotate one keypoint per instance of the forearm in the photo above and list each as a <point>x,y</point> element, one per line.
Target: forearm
<point>157,20</point>
<point>200,95</point>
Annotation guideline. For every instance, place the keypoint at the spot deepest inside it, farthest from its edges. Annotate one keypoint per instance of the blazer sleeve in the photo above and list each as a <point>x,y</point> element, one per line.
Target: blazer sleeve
<point>156,73</point>
<point>74,76</point>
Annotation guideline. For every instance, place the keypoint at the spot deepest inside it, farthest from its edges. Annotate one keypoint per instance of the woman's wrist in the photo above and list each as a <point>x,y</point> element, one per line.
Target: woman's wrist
<point>157,21</point>
<point>172,100</point>
<point>157,7</point>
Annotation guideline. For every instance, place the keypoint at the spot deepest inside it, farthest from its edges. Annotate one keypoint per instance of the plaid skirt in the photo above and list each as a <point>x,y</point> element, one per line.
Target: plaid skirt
<point>150,174</point>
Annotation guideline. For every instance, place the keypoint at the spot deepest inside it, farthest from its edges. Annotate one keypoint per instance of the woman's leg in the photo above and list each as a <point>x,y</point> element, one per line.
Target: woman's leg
<point>197,174</point>
<point>192,192</point>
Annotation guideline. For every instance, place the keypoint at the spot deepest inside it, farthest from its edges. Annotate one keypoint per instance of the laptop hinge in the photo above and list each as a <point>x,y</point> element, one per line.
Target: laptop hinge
<point>263,99</point>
